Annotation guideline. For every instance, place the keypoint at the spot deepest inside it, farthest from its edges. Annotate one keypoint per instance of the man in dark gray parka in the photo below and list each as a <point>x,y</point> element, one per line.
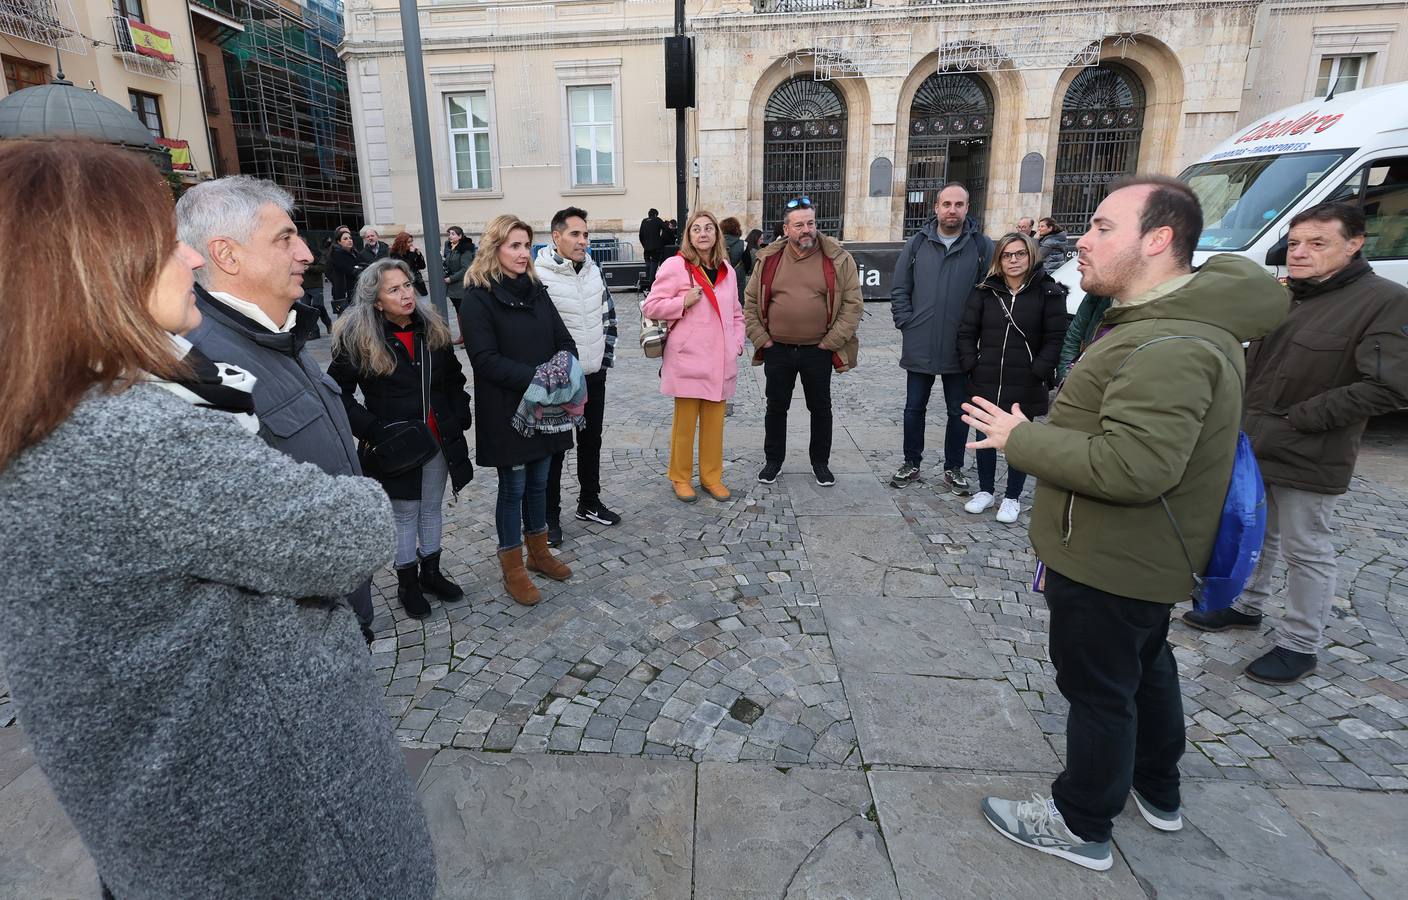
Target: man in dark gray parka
<point>254,264</point>
<point>937,270</point>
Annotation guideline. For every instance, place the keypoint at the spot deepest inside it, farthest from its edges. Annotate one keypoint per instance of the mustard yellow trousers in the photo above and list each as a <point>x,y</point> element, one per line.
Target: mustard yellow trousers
<point>708,417</point>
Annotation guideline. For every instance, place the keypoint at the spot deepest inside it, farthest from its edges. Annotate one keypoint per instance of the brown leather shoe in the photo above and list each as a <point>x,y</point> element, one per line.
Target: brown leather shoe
<point>717,491</point>
<point>540,558</point>
<point>520,587</point>
<point>683,492</point>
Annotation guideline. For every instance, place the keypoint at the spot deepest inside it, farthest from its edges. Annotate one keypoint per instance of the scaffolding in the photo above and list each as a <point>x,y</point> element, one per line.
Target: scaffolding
<point>289,103</point>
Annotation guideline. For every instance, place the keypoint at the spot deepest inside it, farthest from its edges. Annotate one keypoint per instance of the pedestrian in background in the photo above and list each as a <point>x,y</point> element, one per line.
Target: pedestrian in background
<point>652,243</point>
<point>207,718</point>
<point>1026,226</point>
<point>372,247</point>
<point>1051,238</point>
<point>396,349</point>
<point>343,266</point>
<point>1139,450</point>
<point>253,275</point>
<point>1340,358</point>
<point>459,256</point>
<point>405,250</point>
<point>511,328</point>
<point>1008,344</point>
<point>696,291</point>
<point>740,257</point>
<point>933,279</point>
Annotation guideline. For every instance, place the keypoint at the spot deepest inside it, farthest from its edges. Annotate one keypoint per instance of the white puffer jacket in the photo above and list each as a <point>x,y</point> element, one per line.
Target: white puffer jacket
<point>580,298</point>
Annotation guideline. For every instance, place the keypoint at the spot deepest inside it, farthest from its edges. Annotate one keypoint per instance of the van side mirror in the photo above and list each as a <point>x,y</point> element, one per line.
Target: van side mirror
<point>1276,256</point>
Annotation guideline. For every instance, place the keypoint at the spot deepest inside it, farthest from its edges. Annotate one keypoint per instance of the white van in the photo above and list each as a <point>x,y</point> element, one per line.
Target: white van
<point>1353,147</point>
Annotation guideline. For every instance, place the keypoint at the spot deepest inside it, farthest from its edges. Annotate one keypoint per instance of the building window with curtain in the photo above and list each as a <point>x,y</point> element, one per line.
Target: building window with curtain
<point>591,114</point>
<point>1348,71</point>
<point>129,9</point>
<point>147,107</point>
<point>471,162</point>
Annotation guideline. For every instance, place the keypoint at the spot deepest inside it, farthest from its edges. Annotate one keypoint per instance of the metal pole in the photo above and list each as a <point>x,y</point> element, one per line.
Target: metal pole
<point>681,140</point>
<point>425,163</point>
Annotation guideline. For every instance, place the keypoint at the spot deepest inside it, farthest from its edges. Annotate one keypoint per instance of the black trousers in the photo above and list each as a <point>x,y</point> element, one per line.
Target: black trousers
<point>588,453</point>
<point>1115,667</point>
<point>782,363</point>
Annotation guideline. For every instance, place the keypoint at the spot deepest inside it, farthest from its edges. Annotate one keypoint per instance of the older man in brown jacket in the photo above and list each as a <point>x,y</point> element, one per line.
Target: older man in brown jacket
<point>1312,384</point>
<point>801,310</point>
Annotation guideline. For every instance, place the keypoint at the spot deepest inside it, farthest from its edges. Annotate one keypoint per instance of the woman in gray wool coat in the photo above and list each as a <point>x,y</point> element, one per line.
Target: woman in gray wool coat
<point>206,715</point>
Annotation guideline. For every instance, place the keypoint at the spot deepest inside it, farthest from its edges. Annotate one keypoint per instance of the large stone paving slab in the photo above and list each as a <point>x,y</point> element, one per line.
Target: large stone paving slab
<point>951,723</point>
<point>905,636</point>
<point>543,827</point>
<point>1237,842</point>
<point>800,833</point>
<point>1366,833</point>
<point>942,846</point>
<point>868,554</point>
<point>851,495</point>
<point>41,855</point>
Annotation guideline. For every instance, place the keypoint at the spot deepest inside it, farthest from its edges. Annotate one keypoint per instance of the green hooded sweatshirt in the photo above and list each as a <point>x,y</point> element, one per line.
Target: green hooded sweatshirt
<point>1129,427</point>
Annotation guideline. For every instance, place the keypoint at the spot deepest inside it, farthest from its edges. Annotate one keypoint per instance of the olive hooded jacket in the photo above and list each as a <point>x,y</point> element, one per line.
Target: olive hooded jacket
<point>1128,427</point>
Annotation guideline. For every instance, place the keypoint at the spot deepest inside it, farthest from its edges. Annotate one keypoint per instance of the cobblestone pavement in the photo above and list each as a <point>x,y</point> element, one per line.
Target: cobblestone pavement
<point>697,631</point>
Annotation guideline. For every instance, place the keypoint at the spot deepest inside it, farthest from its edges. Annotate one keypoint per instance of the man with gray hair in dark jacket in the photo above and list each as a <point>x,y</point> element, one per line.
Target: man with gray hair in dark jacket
<point>247,294</point>
<point>936,271</point>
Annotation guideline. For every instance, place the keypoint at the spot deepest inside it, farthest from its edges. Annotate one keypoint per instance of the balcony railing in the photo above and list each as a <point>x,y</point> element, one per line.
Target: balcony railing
<point>134,60</point>
<point>787,6</point>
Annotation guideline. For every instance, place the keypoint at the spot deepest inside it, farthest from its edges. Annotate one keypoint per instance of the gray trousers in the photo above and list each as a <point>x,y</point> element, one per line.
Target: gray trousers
<point>419,522</point>
<point>1298,528</point>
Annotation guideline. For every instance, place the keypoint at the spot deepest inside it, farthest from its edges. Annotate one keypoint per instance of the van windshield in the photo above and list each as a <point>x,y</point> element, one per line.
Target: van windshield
<point>1242,197</point>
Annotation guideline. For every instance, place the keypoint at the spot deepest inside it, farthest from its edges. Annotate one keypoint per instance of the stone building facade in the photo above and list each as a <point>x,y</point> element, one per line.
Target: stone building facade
<point>866,106</point>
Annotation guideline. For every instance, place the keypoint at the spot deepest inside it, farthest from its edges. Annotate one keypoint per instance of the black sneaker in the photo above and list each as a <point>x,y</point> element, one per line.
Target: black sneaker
<point>1281,666</point>
<point>1221,619</point>
<point>904,476</point>
<point>823,476</point>
<point>554,534</point>
<point>769,473</point>
<point>956,483</point>
<point>596,512</point>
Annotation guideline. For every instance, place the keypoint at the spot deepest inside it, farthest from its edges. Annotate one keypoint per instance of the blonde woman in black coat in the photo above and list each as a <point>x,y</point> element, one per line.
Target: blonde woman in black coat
<point>1009,344</point>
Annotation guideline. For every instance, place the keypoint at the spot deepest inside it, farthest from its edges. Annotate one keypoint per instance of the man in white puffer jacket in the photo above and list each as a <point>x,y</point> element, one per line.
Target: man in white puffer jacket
<point>576,287</point>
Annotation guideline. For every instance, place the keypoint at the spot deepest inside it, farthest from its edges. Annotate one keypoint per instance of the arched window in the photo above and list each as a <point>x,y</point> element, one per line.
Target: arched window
<point>950,132</point>
<point>804,152</point>
<point>1102,119</point>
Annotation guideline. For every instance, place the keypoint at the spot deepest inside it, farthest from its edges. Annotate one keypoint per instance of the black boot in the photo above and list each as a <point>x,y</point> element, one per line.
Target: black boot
<point>433,580</point>
<point>408,593</point>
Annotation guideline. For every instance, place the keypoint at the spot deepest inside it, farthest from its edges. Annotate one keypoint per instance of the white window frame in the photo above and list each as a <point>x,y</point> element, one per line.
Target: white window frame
<point>446,81</point>
<point>1369,41</point>
<point>1335,62</point>
<point>591,73</point>
<point>451,133</point>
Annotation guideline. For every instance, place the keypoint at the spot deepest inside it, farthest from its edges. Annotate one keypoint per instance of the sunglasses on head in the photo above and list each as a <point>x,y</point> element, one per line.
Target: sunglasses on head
<point>800,203</point>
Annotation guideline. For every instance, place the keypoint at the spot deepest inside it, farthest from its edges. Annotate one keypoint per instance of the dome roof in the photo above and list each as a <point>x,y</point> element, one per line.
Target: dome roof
<point>60,110</point>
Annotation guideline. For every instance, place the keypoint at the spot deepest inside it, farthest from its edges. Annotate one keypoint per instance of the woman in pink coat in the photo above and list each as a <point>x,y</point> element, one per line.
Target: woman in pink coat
<point>697,293</point>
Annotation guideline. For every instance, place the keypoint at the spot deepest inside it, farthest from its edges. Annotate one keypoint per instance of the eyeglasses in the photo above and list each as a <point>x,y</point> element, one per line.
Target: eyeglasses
<point>800,203</point>
<point>1015,255</point>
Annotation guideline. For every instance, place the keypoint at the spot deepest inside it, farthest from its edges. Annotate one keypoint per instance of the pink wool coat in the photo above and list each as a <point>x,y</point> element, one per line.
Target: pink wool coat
<point>701,353</point>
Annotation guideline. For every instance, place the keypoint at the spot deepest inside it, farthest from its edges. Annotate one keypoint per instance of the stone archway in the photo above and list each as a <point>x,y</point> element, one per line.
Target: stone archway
<point>1101,126</point>
<point>949,139</point>
<point>804,151</point>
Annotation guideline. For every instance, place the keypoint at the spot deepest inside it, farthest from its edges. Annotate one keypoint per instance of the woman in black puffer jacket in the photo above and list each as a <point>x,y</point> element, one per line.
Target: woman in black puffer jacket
<point>1009,344</point>
<point>397,349</point>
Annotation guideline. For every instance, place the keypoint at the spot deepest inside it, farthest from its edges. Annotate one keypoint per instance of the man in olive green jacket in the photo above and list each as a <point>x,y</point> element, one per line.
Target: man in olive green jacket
<point>1148,415</point>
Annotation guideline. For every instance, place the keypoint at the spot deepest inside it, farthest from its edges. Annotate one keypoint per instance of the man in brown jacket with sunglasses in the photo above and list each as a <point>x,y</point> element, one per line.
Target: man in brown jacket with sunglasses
<point>801,310</point>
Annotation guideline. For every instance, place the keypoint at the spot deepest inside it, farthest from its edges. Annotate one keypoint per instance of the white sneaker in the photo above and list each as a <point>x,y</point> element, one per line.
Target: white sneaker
<point>981,502</point>
<point>1009,510</point>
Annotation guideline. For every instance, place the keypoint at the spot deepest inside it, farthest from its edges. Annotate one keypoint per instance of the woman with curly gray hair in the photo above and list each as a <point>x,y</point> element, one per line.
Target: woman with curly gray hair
<point>393,345</point>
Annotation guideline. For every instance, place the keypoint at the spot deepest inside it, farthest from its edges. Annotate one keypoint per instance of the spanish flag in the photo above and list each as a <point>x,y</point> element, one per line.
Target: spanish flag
<point>150,41</point>
<point>180,153</point>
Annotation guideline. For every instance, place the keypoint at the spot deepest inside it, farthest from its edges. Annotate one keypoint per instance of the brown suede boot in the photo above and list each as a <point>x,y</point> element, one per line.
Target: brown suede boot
<point>520,587</point>
<point>540,558</point>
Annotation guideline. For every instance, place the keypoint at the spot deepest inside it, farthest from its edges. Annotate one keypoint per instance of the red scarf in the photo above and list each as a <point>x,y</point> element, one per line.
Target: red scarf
<point>703,281</point>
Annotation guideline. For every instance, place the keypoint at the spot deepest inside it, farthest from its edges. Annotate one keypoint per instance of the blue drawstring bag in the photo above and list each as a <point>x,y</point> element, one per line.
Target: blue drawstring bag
<point>1240,532</point>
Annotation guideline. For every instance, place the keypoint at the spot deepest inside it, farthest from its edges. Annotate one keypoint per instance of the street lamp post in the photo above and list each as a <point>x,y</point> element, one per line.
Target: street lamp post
<point>425,162</point>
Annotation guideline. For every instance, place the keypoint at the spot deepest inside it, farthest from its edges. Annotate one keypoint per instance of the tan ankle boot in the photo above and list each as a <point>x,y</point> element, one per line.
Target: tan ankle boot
<point>520,587</point>
<point>540,558</point>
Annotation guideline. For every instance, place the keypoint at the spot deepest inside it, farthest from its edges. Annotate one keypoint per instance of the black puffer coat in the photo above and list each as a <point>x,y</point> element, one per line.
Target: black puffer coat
<point>433,374</point>
<point>509,331</point>
<point>344,267</point>
<point>1002,365</point>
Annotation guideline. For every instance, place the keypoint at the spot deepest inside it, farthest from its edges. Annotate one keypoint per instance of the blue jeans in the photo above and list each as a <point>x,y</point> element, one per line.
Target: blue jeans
<point>916,406</point>
<point>987,472</point>
<point>522,507</point>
